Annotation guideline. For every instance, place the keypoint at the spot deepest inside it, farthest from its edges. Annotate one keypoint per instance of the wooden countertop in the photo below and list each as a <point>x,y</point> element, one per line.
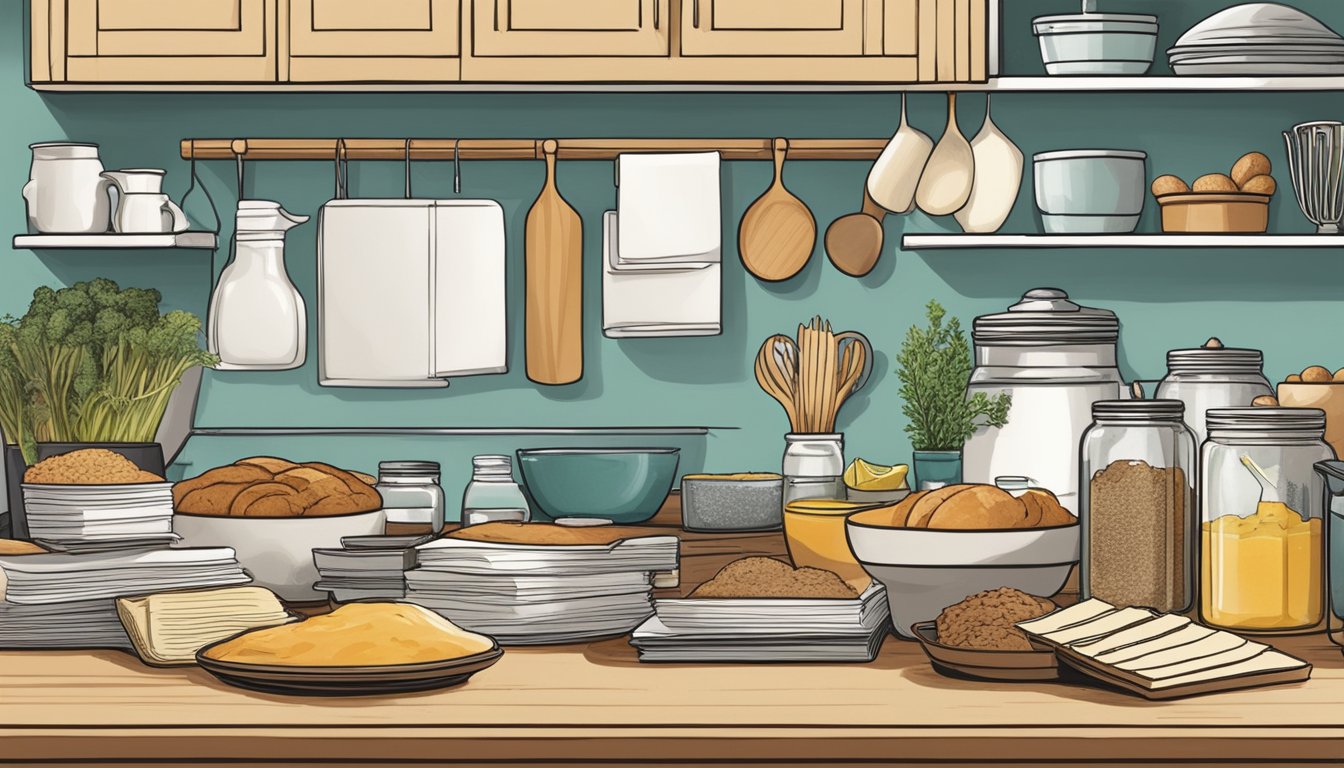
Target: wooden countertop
<point>596,703</point>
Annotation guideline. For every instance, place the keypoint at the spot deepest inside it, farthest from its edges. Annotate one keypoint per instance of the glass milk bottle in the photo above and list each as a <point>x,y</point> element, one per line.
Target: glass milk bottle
<point>492,495</point>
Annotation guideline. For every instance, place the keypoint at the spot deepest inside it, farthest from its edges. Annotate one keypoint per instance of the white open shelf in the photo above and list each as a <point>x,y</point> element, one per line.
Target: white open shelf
<point>923,242</point>
<point>1151,83</point>
<point>114,240</point>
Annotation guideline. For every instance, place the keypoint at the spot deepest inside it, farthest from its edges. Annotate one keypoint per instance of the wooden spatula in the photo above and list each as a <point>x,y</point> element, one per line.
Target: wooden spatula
<point>554,276</point>
<point>854,242</point>
<point>778,232</point>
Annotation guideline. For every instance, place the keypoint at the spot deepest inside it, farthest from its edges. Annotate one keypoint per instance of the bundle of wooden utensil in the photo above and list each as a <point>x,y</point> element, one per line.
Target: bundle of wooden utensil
<point>812,376</point>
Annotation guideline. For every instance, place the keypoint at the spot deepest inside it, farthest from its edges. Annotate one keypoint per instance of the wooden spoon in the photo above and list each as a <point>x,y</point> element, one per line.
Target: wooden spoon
<point>778,232</point>
<point>554,284</point>
<point>854,242</point>
<point>950,173</point>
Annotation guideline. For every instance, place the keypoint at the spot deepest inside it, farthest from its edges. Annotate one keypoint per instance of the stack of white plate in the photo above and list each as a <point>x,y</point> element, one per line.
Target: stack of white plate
<point>1258,39</point>
<point>81,517</point>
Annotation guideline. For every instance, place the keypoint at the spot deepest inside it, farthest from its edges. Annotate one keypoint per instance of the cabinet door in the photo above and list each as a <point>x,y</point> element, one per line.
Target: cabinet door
<point>358,40</point>
<point>774,28</point>
<point>537,28</point>
<point>157,41</point>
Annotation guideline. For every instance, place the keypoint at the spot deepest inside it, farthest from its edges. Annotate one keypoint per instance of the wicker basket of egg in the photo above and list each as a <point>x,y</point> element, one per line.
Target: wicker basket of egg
<point>1237,202</point>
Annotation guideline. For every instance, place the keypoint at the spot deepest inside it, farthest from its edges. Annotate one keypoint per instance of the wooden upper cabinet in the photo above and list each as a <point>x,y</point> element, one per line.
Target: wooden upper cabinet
<point>775,27</point>
<point>570,28</point>
<point>372,43</point>
<point>366,41</point>
<point>167,41</point>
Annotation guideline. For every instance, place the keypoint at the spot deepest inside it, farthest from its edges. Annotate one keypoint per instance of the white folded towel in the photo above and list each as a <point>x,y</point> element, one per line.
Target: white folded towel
<point>670,207</point>
<point>666,302</point>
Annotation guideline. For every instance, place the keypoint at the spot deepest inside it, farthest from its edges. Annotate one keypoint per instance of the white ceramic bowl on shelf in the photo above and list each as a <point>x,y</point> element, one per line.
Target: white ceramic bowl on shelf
<point>1097,43</point>
<point>925,571</point>
<point>278,551</point>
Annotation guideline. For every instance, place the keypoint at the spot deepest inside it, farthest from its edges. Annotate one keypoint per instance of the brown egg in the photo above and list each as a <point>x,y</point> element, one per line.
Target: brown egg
<point>1215,182</point>
<point>1265,401</point>
<point>1260,185</point>
<point>1317,374</point>
<point>1169,185</point>
<point>1339,375</point>
<point>1293,378</point>
<point>1249,166</point>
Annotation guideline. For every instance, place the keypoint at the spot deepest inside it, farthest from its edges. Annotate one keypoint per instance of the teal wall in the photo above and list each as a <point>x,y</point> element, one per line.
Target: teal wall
<point>1285,302</point>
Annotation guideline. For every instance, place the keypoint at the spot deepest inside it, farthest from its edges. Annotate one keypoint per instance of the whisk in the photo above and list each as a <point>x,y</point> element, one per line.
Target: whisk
<point>1316,164</point>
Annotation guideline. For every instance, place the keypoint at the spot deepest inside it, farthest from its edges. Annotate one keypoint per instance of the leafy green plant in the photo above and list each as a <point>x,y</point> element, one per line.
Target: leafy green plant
<point>92,363</point>
<point>934,366</point>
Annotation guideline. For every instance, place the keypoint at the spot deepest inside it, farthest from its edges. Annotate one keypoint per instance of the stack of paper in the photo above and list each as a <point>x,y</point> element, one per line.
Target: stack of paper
<point>79,624</point>
<point>1159,656</point>
<point>94,517</point>
<point>168,629</point>
<point>61,577</point>
<point>66,600</point>
<point>529,593</point>
<point>765,629</point>
<point>364,569</point>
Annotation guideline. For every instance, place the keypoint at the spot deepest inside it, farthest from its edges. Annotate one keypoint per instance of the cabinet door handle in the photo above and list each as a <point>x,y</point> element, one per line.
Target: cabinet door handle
<point>496,15</point>
<point>657,4</point>
<point>695,13</point>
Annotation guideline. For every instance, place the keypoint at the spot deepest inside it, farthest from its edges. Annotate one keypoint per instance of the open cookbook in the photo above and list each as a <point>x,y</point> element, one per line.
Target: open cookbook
<point>1159,656</point>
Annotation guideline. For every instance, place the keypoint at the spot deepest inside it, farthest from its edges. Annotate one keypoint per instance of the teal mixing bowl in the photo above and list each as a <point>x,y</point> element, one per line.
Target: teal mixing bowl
<point>623,485</point>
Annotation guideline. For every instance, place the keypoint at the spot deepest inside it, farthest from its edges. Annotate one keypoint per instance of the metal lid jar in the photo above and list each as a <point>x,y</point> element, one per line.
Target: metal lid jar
<point>1262,538</point>
<point>1137,512</point>
<point>1055,358</point>
<point>411,494</point>
<point>1213,376</point>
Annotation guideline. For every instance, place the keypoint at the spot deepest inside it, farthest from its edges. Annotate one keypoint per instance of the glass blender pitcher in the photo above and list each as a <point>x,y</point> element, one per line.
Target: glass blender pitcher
<point>257,317</point>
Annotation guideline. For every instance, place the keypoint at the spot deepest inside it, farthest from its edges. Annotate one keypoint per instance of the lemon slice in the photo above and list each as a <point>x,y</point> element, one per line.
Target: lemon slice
<point>863,476</point>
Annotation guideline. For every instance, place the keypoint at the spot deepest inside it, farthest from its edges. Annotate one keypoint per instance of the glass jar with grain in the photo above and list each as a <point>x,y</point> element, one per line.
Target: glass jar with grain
<point>1138,461</point>
<point>1262,539</point>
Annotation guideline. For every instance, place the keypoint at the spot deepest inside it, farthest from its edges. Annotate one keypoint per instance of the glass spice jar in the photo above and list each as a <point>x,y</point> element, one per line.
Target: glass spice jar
<point>1262,551</point>
<point>1137,502</point>
<point>412,497</point>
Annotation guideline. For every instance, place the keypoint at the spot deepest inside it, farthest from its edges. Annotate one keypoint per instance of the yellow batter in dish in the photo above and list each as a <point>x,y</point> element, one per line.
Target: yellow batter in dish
<point>356,635</point>
<point>1262,571</point>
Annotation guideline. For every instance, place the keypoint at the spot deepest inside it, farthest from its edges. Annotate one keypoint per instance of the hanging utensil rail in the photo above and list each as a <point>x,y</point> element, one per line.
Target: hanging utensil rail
<point>518,149</point>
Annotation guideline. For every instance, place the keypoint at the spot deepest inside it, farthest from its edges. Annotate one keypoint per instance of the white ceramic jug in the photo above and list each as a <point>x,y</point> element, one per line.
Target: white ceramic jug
<point>66,191</point>
<point>139,203</point>
<point>257,317</point>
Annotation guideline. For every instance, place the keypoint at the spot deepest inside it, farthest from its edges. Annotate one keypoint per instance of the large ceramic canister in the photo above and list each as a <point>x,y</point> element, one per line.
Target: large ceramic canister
<point>1055,358</point>
<point>66,192</point>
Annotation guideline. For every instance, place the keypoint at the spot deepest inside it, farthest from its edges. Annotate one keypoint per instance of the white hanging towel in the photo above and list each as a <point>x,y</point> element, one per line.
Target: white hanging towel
<point>649,304</point>
<point>670,208</point>
<point>410,292</point>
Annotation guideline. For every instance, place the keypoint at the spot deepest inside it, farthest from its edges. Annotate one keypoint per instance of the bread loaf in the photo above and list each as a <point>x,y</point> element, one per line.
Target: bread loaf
<point>264,486</point>
<point>971,508</point>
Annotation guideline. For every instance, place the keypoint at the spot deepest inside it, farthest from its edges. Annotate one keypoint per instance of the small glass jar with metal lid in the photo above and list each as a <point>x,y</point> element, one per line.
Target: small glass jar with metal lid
<point>1213,376</point>
<point>1138,516</point>
<point>1262,537</point>
<point>493,495</point>
<point>411,494</point>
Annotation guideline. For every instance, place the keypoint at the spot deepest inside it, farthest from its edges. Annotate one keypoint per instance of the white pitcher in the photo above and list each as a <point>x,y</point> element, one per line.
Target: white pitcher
<point>139,203</point>
<point>257,316</point>
<point>66,191</point>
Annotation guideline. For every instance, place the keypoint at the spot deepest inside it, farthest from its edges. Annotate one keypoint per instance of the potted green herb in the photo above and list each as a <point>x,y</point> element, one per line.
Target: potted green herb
<point>91,364</point>
<point>934,368</point>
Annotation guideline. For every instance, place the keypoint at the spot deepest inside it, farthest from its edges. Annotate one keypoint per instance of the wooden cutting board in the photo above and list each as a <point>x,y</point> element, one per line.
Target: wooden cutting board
<point>554,277</point>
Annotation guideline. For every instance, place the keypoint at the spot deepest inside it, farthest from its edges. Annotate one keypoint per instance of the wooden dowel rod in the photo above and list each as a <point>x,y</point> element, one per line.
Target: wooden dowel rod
<point>521,149</point>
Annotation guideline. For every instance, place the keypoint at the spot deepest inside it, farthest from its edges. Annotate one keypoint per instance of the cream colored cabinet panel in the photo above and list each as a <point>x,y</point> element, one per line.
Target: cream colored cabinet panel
<point>384,41</point>
<point>156,41</point>
<point>777,27</point>
<point>569,28</point>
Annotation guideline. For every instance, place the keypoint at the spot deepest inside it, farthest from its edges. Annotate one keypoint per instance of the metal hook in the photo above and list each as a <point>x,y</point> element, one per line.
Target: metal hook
<point>342,182</point>
<point>457,166</point>
<point>239,147</point>
<point>408,169</point>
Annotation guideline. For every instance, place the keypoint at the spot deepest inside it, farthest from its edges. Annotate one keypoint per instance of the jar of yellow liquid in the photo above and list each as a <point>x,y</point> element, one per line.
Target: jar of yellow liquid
<point>1262,538</point>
